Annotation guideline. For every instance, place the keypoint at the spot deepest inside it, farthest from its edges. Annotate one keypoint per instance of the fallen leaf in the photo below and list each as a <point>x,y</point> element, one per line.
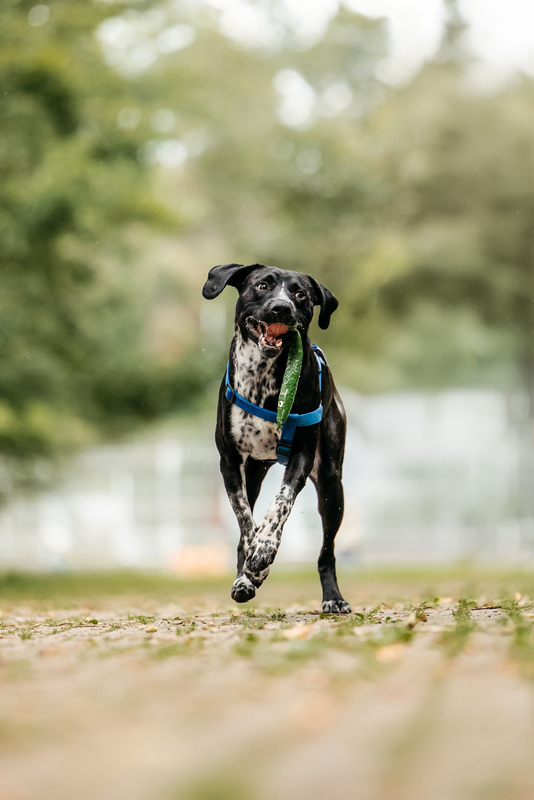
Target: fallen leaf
<point>391,652</point>
<point>152,629</point>
<point>298,632</point>
<point>412,620</point>
<point>312,712</point>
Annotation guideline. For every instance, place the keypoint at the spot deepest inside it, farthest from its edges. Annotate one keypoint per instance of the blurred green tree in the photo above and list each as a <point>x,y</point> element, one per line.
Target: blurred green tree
<point>304,159</point>
<point>74,359</point>
<point>413,204</point>
<point>282,171</point>
<point>459,162</point>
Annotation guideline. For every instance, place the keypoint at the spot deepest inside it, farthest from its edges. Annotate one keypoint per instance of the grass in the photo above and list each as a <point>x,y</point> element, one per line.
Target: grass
<point>390,608</point>
<point>386,585</point>
<point>455,639</point>
<point>235,688</point>
<point>522,639</point>
<point>281,635</point>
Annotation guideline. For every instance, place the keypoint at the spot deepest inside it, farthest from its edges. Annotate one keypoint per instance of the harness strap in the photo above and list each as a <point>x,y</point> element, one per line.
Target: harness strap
<point>293,421</point>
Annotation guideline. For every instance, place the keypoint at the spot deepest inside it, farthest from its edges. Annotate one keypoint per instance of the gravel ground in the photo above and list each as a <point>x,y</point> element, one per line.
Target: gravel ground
<point>183,695</point>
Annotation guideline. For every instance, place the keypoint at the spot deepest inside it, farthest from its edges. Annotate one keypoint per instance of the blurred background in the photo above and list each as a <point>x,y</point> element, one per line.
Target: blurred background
<point>388,151</point>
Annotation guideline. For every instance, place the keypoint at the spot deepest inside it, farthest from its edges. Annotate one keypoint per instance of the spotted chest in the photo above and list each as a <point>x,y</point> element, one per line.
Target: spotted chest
<point>254,379</point>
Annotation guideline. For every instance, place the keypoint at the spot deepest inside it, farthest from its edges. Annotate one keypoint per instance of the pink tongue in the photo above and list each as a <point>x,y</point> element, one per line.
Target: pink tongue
<point>274,331</point>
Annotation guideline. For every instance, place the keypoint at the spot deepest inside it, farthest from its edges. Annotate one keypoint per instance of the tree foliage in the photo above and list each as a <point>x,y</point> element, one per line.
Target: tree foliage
<point>73,361</point>
<point>140,145</point>
<point>466,215</point>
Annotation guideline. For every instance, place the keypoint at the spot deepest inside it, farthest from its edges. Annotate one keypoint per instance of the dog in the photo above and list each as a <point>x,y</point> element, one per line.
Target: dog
<point>312,442</point>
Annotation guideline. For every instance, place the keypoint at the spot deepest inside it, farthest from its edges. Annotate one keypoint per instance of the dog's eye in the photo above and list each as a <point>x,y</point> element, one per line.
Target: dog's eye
<point>300,295</point>
<point>262,286</point>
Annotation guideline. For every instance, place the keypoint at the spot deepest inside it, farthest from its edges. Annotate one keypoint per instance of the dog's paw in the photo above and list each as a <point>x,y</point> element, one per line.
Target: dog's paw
<point>336,607</point>
<point>259,559</point>
<point>243,589</point>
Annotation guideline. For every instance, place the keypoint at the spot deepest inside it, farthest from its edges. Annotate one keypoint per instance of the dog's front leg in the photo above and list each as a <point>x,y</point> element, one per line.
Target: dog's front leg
<point>266,541</point>
<point>233,473</point>
<point>263,548</point>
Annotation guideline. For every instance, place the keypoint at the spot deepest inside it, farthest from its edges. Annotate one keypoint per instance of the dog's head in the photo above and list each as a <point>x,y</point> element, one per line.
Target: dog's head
<point>271,301</point>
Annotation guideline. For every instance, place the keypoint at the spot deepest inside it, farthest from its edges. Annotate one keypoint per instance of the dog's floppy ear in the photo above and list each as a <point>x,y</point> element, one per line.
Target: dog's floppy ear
<point>225,275</point>
<point>327,301</point>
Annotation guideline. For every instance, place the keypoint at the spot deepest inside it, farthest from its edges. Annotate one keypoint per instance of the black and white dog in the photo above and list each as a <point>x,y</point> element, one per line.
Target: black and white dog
<point>312,442</point>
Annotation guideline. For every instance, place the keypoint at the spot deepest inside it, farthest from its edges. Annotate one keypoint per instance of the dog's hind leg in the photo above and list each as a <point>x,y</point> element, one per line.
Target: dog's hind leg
<point>255,472</point>
<point>330,494</point>
<point>327,479</point>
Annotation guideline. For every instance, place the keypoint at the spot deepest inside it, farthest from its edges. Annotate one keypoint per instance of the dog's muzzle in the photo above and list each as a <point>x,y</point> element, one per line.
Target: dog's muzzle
<point>268,335</point>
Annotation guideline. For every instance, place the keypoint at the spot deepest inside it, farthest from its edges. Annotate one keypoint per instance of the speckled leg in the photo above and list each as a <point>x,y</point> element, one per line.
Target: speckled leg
<point>266,540</point>
<point>233,472</point>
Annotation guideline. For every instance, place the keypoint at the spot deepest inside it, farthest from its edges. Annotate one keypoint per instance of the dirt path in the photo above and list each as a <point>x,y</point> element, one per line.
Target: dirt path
<point>135,699</point>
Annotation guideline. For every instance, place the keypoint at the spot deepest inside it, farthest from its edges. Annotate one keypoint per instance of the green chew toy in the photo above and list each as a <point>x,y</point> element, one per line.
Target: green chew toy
<point>291,378</point>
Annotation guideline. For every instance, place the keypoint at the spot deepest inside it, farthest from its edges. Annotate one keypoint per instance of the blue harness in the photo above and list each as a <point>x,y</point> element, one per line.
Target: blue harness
<point>293,422</point>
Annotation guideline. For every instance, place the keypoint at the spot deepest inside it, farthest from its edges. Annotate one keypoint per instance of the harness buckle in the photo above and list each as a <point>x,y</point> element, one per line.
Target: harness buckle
<point>283,451</point>
<point>230,394</point>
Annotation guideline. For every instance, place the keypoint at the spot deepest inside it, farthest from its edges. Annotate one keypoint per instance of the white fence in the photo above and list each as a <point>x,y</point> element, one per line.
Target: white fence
<point>428,477</point>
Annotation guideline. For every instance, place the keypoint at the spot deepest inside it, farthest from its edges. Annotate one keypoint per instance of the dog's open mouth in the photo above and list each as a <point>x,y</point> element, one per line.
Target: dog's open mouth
<point>269,335</point>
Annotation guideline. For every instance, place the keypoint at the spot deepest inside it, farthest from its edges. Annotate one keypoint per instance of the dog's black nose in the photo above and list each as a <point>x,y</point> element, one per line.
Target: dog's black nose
<point>282,309</point>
